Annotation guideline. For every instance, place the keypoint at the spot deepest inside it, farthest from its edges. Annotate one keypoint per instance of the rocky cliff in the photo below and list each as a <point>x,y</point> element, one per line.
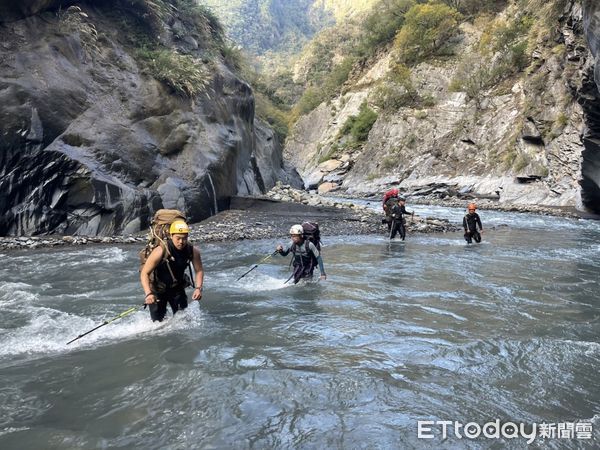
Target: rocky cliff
<point>531,138</point>
<point>96,135</point>
<point>590,102</point>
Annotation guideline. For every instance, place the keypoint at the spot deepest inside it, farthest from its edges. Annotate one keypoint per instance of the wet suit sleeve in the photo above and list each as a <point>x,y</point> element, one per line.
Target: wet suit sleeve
<point>286,251</point>
<point>317,254</point>
<point>478,221</point>
<point>465,223</point>
<point>404,211</point>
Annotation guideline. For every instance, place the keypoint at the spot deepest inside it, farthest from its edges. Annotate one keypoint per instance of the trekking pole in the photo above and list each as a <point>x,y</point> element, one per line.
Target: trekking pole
<point>123,314</point>
<point>289,278</point>
<point>257,264</point>
<point>392,228</point>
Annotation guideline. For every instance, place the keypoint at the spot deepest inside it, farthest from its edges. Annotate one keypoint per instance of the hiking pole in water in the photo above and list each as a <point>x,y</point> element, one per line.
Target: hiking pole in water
<point>123,314</point>
<point>257,264</point>
<point>289,278</point>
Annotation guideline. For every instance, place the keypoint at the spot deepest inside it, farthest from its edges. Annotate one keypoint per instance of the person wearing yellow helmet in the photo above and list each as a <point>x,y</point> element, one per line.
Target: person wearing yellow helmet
<point>471,222</point>
<point>163,275</point>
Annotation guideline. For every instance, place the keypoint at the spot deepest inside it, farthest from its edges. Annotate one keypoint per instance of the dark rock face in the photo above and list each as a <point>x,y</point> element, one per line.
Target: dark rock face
<point>18,9</point>
<point>92,145</point>
<point>589,98</point>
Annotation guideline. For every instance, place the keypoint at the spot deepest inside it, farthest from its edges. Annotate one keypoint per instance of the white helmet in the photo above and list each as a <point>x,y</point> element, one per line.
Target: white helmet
<point>297,229</point>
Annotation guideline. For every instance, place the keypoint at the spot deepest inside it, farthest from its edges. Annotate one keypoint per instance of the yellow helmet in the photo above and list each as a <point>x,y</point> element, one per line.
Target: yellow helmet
<point>179,227</point>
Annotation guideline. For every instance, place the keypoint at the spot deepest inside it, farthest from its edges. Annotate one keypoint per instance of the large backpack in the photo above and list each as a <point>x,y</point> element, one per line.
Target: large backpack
<point>312,233</point>
<point>390,203</point>
<point>159,233</point>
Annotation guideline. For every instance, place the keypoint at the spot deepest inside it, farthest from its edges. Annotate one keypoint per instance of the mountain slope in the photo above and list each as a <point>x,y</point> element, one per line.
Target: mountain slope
<point>492,108</point>
<point>263,27</point>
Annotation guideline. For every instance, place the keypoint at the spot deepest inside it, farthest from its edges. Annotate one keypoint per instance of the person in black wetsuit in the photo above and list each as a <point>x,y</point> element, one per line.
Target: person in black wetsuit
<point>471,223</point>
<point>163,275</point>
<point>395,212</point>
<point>306,255</point>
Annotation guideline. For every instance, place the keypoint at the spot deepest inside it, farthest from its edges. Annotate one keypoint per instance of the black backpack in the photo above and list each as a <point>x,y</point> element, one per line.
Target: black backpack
<point>312,233</point>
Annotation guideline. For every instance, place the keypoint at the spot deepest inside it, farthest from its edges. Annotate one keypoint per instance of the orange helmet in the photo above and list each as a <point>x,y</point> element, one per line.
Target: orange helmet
<point>472,207</point>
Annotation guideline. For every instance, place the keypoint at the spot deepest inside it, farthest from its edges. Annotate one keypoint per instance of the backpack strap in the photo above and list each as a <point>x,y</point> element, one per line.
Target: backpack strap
<point>190,263</point>
<point>310,254</point>
<point>154,236</point>
<point>166,257</point>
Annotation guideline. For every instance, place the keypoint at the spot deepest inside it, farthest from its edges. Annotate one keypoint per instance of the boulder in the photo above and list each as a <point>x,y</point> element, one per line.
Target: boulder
<point>334,177</point>
<point>324,188</point>
<point>329,165</point>
<point>313,179</point>
<point>531,133</point>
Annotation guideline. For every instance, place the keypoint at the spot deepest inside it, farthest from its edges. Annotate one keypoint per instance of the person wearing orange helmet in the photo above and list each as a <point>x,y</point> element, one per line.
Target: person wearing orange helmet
<point>163,274</point>
<point>471,223</point>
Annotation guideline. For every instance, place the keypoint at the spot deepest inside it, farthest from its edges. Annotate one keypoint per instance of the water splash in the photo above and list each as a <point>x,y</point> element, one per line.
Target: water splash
<point>47,330</point>
<point>261,282</point>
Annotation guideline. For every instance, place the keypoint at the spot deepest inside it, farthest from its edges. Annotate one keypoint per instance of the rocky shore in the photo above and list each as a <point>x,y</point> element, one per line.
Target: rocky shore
<point>506,207</point>
<point>35,242</point>
<point>438,195</point>
<point>444,197</point>
<point>265,217</point>
<point>271,216</point>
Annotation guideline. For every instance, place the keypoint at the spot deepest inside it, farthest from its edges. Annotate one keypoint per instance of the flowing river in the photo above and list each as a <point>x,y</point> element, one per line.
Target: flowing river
<point>430,329</point>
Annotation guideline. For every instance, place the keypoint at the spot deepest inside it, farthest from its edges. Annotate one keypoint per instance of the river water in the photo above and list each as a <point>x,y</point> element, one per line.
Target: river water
<point>430,329</point>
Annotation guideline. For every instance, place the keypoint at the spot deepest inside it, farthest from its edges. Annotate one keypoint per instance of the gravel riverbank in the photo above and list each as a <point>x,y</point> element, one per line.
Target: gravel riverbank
<point>270,216</point>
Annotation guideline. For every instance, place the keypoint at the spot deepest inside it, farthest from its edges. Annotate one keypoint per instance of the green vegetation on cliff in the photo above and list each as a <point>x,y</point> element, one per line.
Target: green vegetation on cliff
<point>275,28</point>
<point>414,31</point>
<point>196,31</point>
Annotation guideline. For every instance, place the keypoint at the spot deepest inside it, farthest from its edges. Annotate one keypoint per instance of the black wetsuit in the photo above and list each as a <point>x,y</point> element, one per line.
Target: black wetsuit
<point>395,217</point>
<point>470,223</point>
<point>169,282</point>
<point>306,257</point>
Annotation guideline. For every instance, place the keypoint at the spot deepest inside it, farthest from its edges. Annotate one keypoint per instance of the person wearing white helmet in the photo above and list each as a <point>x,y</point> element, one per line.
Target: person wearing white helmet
<point>163,275</point>
<point>306,255</point>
